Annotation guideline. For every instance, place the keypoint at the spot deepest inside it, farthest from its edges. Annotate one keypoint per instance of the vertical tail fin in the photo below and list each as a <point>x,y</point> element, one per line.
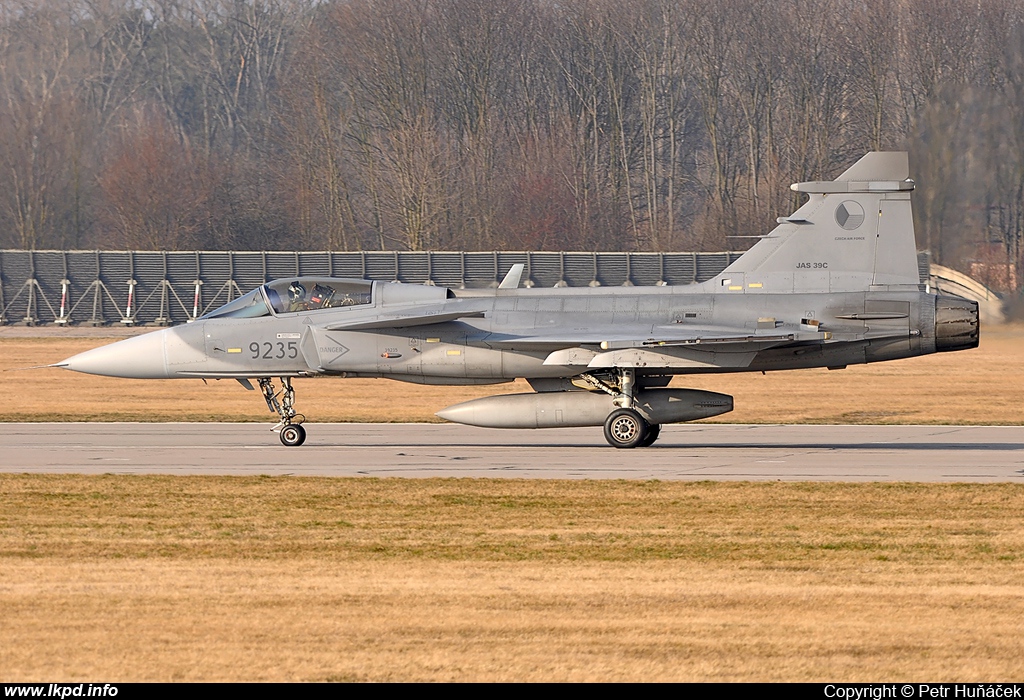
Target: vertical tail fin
<point>854,234</point>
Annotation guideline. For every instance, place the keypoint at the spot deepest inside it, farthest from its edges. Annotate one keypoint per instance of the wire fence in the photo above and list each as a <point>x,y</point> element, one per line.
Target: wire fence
<point>100,287</point>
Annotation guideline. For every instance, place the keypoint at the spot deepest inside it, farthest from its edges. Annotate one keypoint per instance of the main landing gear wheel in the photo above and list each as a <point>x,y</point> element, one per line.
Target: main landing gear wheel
<point>625,428</point>
<point>293,435</point>
<point>653,431</point>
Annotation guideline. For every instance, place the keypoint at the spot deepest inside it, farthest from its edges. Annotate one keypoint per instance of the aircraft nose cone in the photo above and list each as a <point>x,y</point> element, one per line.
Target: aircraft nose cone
<point>141,357</point>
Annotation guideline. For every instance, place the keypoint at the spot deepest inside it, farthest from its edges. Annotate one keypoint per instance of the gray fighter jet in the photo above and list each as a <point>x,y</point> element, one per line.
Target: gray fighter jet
<point>834,284</point>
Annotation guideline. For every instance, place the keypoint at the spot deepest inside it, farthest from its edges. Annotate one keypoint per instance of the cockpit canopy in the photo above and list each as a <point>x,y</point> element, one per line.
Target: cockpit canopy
<point>297,294</point>
<point>314,293</point>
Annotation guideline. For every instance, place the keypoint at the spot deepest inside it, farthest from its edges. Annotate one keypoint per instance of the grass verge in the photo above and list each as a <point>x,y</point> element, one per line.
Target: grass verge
<point>222,578</point>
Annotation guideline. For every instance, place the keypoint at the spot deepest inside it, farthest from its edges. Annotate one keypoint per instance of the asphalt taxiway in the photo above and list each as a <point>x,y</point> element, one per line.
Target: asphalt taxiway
<point>684,452</point>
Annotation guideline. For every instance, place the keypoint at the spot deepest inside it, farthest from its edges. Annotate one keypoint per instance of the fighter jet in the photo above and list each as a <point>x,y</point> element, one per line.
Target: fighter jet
<point>833,284</point>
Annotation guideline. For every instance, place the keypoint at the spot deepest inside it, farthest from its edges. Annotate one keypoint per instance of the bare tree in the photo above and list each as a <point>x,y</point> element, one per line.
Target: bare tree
<point>157,190</point>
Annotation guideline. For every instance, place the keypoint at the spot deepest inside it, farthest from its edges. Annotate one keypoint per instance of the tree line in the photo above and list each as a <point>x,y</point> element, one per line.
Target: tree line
<point>523,124</point>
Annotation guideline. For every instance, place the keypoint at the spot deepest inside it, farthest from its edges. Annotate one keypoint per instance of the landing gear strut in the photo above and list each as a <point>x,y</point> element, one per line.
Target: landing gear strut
<point>625,427</point>
<point>283,404</point>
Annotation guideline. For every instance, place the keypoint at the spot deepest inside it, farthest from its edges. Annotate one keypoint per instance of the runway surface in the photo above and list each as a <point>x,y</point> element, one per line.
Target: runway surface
<point>689,452</point>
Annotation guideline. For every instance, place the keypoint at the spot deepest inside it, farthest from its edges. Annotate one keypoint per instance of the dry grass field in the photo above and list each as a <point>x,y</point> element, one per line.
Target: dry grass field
<point>299,579</point>
<point>981,386</point>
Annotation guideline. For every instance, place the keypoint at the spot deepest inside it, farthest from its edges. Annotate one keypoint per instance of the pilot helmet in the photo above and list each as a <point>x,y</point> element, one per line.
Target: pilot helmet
<point>296,291</point>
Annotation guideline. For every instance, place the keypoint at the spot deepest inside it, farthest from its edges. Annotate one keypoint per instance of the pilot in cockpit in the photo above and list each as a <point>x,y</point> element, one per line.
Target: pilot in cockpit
<point>297,300</point>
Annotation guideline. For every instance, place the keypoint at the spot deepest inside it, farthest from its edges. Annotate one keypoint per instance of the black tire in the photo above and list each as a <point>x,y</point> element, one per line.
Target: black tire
<point>653,431</point>
<point>293,435</point>
<point>625,428</point>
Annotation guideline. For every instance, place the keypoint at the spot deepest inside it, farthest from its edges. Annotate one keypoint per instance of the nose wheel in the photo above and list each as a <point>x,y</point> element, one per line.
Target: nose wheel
<point>283,404</point>
<point>293,435</point>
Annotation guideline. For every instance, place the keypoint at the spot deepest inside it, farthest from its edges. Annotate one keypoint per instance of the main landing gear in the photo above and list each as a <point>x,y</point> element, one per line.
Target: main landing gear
<point>625,427</point>
<point>283,404</point>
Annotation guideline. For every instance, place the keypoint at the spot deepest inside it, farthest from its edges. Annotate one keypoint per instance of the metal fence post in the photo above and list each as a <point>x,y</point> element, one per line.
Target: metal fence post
<point>62,319</point>
<point>129,319</point>
<point>195,301</point>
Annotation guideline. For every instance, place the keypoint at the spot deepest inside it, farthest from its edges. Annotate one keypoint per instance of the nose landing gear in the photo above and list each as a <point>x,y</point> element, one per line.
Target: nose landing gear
<point>283,404</point>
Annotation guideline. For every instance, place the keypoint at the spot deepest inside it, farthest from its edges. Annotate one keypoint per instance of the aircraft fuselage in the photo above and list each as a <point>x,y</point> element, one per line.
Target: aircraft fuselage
<point>516,334</point>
